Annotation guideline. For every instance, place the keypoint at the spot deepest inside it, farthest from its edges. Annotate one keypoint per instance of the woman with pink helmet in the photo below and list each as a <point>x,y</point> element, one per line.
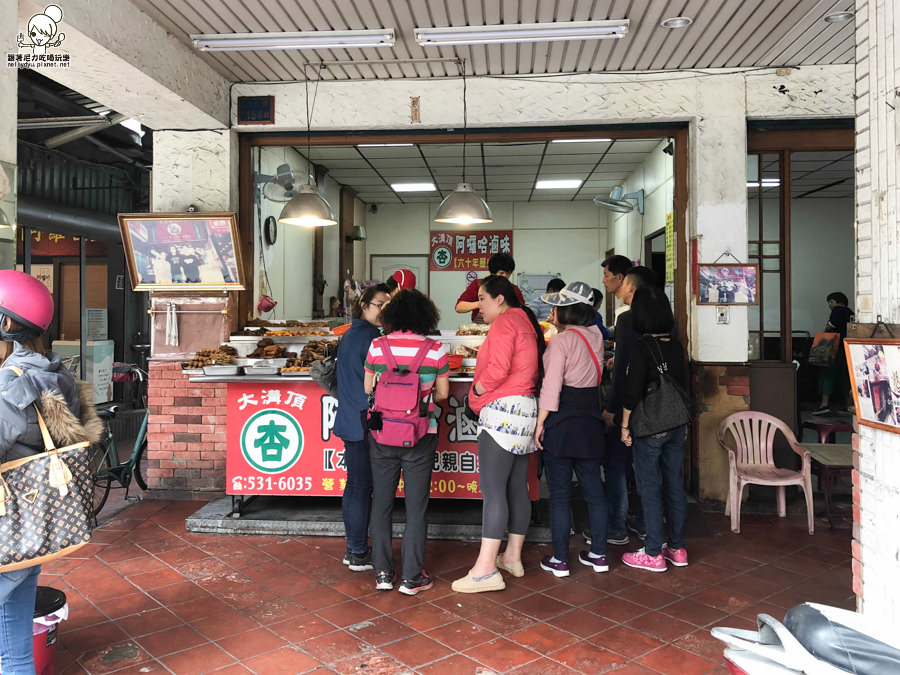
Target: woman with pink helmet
<point>26,311</point>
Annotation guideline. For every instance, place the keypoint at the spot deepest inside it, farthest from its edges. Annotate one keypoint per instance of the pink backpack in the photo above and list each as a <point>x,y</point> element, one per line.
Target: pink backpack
<point>398,400</point>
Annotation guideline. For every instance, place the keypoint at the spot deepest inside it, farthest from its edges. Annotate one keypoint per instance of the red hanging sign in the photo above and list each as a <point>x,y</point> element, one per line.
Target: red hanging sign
<point>464,250</point>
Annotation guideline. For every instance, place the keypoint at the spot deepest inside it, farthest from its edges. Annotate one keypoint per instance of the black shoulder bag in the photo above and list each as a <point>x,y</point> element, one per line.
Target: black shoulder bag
<point>665,405</point>
<point>324,373</point>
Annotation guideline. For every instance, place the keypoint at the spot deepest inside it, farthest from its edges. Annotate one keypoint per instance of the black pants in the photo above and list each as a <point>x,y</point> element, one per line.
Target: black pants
<point>387,463</point>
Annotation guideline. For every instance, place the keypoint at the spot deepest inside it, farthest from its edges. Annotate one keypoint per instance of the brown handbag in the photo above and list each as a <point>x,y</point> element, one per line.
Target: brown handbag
<point>45,504</point>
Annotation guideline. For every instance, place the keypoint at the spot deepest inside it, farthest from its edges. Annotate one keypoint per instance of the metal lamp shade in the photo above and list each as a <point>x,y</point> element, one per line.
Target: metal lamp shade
<point>307,209</point>
<point>463,207</point>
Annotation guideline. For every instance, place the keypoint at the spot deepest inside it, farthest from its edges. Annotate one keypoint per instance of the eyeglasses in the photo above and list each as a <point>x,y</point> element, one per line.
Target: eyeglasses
<point>379,305</point>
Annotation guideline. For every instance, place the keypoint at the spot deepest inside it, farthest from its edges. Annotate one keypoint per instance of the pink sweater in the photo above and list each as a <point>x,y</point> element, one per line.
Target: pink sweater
<point>567,361</point>
<point>507,361</point>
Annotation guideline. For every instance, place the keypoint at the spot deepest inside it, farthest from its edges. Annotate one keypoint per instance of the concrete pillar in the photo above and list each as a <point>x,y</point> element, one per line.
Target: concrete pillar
<point>8,114</point>
<point>876,479</point>
<point>195,168</point>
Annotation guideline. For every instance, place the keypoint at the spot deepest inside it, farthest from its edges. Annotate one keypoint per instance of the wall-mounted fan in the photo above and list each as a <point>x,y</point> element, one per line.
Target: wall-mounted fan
<point>282,186</point>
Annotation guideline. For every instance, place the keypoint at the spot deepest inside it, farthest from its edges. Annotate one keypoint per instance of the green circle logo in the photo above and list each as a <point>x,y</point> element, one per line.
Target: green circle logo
<point>271,441</point>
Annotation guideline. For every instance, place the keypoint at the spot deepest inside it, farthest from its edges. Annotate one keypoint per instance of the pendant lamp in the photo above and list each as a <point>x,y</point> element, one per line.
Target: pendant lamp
<point>463,206</point>
<point>308,208</point>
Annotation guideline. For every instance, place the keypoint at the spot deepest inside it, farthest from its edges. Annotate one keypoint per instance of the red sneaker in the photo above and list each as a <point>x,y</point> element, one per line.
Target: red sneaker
<point>640,560</point>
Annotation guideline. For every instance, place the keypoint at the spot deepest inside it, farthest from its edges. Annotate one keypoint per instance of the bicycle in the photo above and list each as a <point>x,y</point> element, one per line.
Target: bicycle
<point>104,459</point>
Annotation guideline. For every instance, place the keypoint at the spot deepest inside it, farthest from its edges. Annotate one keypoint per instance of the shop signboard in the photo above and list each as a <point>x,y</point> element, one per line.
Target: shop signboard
<point>464,250</point>
<point>280,442</point>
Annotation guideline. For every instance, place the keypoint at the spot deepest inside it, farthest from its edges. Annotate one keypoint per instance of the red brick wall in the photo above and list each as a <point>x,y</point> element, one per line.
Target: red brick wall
<point>185,434</point>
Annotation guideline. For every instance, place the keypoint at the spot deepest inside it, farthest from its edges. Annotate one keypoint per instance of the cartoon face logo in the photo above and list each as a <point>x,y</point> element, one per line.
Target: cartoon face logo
<point>43,31</point>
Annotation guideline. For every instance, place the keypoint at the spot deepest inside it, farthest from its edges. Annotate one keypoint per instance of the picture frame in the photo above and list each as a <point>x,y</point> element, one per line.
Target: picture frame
<point>182,251</point>
<point>728,284</point>
<point>874,366</point>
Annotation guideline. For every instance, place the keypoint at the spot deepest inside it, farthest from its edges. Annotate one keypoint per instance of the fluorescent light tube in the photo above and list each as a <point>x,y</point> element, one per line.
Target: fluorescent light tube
<point>334,39</point>
<point>524,32</point>
<point>581,140</point>
<point>563,184</point>
<point>766,182</point>
<point>384,145</point>
<point>413,187</point>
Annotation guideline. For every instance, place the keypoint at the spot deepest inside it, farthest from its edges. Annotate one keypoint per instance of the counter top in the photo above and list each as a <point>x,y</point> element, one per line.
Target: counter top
<point>462,377</point>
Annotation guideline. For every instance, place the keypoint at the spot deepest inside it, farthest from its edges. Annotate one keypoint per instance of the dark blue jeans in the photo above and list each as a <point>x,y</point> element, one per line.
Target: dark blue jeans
<point>559,480</point>
<point>356,504</point>
<point>657,468</point>
<point>17,593</point>
<point>616,484</point>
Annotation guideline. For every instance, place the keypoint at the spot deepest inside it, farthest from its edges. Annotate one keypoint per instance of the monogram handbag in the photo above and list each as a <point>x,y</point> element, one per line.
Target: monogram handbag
<point>665,405</point>
<point>45,504</point>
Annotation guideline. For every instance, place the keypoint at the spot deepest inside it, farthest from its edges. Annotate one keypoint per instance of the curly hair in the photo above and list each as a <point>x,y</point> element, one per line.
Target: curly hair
<point>412,311</point>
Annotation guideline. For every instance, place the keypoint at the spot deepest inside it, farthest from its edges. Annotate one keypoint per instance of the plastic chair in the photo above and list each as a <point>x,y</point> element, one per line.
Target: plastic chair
<point>751,462</point>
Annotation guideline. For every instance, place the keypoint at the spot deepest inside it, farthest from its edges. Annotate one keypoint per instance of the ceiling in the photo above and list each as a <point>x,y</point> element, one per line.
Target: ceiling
<point>724,34</point>
<point>502,172</point>
<point>506,172</point>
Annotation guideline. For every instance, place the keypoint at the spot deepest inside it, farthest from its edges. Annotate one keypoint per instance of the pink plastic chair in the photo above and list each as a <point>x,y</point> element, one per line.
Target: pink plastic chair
<point>751,462</point>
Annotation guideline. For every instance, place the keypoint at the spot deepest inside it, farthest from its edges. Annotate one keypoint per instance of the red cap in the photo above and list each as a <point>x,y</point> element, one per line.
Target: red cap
<point>405,279</point>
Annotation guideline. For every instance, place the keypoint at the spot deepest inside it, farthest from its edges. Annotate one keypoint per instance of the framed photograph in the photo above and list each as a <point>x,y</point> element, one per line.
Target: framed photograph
<point>874,366</point>
<point>728,284</point>
<point>182,251</point>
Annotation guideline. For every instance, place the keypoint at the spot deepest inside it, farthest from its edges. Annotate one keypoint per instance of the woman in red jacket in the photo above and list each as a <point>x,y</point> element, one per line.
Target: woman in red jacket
<point>507,376</point>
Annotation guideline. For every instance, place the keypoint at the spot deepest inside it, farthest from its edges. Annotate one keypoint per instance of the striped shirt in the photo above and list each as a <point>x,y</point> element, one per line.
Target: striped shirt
<point>404,347</point>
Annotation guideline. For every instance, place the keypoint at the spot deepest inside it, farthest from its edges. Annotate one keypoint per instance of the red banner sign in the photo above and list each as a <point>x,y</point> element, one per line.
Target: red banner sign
<point>50,244</point>
<point>463,251</point>
<point>280,443</point>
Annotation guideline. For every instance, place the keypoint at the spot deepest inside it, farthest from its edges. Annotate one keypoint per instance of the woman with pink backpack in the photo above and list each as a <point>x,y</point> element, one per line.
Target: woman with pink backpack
<point>411,371</point>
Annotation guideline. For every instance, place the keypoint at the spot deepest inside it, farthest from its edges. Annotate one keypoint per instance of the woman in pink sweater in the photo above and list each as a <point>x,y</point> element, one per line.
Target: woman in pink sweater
<point>507,377</point>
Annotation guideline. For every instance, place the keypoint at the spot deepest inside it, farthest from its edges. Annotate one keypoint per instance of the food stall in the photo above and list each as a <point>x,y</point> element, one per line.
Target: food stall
<point>274,423</point>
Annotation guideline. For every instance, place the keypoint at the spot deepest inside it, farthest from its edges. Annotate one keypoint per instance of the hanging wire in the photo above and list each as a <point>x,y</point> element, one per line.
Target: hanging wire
<point>308,126</point>
<point>462,65</point>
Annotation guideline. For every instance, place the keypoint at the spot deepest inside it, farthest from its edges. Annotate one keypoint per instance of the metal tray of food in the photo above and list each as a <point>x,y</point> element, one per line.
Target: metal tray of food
<point>221,370</point>
<point>261,370</point>
<point>295,373</point>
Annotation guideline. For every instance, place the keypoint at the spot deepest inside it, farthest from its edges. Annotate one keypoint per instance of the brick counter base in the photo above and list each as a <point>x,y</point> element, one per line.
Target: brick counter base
<point>185,435</point>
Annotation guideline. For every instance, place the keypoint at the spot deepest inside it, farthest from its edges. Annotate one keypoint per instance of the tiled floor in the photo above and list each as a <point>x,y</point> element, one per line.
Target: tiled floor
<point>148,597</point>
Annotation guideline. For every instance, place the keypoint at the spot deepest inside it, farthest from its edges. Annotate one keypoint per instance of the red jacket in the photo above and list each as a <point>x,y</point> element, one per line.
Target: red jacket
<point>507,361</point>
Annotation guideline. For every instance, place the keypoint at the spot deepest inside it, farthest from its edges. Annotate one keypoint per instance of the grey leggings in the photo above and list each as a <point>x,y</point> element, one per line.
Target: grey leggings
<point>504,489</point>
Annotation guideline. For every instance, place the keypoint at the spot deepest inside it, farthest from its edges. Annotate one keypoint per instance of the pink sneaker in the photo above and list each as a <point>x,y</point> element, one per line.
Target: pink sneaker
<point>642,561</point>
<point>676,556</point>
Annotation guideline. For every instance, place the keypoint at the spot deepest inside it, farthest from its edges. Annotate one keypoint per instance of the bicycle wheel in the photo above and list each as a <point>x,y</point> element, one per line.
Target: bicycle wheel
<point>140,465</point>
<point>99,461</point>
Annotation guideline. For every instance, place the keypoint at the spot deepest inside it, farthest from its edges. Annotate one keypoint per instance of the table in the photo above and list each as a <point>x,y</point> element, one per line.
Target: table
<point>829,462</point>
<point>826,429</point>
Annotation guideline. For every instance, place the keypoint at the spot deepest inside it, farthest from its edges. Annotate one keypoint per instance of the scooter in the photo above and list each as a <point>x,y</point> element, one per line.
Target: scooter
<point>813,640</point>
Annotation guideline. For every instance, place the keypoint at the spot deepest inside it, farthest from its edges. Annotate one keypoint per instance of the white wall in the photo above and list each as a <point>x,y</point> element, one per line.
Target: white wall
<point>655,176</point>
<point>876,549</point>
<point>564,237</point>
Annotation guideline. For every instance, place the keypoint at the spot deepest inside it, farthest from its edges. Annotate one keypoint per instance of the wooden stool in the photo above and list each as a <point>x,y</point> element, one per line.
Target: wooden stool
<point>830,461</point>
<point>825,429</point>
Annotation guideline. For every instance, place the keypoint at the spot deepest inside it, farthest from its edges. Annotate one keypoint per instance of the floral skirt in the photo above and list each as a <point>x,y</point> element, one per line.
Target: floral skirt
<point>511,421</point>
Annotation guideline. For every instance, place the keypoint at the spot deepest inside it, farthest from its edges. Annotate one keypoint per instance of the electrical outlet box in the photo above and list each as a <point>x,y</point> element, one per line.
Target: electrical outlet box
<point>723,314</point>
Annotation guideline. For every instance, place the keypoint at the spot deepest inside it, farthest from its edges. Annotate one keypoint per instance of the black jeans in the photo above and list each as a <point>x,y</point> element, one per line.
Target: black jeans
<point>356,503</point>
<point>559,480</point>
<point>416,464</point>
<point>657,468</point>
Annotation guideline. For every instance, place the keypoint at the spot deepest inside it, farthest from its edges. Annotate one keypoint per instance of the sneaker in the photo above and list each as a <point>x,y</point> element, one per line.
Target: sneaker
<point>358,562</point>
<point>676,556</point>
<point>640,560</point>
<point>617,538</point>
<point>641,534</point>
<point>558,569</point>
<point>824,410</point>
<point>384,581</point>
<point>598,562</point>
<point>421,583</point>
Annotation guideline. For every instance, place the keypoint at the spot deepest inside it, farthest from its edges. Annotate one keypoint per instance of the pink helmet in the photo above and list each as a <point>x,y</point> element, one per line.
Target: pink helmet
<point>25,299</point>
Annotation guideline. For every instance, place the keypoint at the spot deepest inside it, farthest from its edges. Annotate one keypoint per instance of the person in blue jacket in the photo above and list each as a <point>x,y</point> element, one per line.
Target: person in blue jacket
<point>350,423</point>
